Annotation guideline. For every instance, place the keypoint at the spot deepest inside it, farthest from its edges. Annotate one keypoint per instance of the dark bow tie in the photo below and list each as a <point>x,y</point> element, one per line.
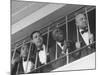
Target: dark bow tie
<point>40,49</point>
<point>25,59</point>
<point>62,44</point>
<point>84,30</point>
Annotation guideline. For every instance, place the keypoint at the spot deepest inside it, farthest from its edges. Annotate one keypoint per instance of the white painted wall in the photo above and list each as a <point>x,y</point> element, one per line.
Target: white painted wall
<point>87,62</point>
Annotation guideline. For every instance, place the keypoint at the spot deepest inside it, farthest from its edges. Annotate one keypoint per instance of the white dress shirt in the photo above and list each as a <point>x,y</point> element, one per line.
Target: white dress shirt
<point>85,37</point>
<point>62,47</point>
<point>29,67</point>
<point>42,55</point>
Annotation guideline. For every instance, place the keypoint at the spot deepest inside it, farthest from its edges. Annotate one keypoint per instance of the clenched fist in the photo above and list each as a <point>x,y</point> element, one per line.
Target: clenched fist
<point>91,38</point>
<point>78,45</point>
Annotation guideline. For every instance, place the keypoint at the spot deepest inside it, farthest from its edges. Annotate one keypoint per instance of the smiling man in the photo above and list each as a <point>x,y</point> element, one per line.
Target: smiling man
<point>40,54</point>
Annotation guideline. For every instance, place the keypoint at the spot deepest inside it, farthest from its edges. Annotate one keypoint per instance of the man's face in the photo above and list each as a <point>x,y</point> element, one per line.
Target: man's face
<point>58,35</point>
<point>24,51</point>
<point>81,21</point>
<point>37,39</point>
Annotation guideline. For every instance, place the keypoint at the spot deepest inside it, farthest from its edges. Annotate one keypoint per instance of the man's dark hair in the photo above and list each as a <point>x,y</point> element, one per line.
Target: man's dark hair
<point>31,36</point>
<point>57,29</point>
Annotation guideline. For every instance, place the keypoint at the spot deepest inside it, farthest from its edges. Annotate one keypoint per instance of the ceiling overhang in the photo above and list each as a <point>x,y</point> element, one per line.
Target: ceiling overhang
<point>35,16</point>
<point>21,9</point>
<point>39,19</point>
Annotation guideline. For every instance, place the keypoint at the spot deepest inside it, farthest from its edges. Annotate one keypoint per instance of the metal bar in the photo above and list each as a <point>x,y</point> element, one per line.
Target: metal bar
<point>47,42</point>
<point>19,57</point>
<point>17,69</point>
<point>28,57</point>
<point>36,60</point>
<point>65,55</point>
<point>67,39</point>
<point>14,53</point>
<point>77,33</point>
<point>56,52</point>
<point>56,46</point>
<point>87,20</point>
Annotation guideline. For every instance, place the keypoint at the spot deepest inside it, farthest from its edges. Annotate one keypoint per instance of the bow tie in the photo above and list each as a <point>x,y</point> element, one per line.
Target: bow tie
<point>40,49</point>
<point>62,44</point>
<point>25,59</point>
<point>84,30</point>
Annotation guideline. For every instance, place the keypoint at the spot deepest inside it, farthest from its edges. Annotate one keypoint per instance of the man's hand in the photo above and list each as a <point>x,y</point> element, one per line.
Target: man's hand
<point>17,59</point>
<point>78,45</point>
<point>32,67</point>
<point>68,45</point>
<point>13,61</point>
<point>91,38</point>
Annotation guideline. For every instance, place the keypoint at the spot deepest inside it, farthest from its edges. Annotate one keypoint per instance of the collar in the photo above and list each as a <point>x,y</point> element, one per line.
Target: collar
<point>42,48</point>
<point>59,43</point>
<point>81,30</point>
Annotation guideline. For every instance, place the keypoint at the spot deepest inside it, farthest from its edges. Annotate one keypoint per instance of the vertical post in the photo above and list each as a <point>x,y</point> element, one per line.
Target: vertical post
<point>14,53</point>
<point>36,60</point>
<point>87,20</point>
<point>47,41</point>
<point>56,46</point>
<point>77,33</point>
<point>67,40</point>
<point>28,57</point>
<point>56,51</point>
<point>19,57</point>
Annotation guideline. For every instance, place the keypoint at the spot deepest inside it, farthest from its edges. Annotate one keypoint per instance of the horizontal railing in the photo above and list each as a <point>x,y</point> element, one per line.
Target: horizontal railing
<point>63,57</point>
